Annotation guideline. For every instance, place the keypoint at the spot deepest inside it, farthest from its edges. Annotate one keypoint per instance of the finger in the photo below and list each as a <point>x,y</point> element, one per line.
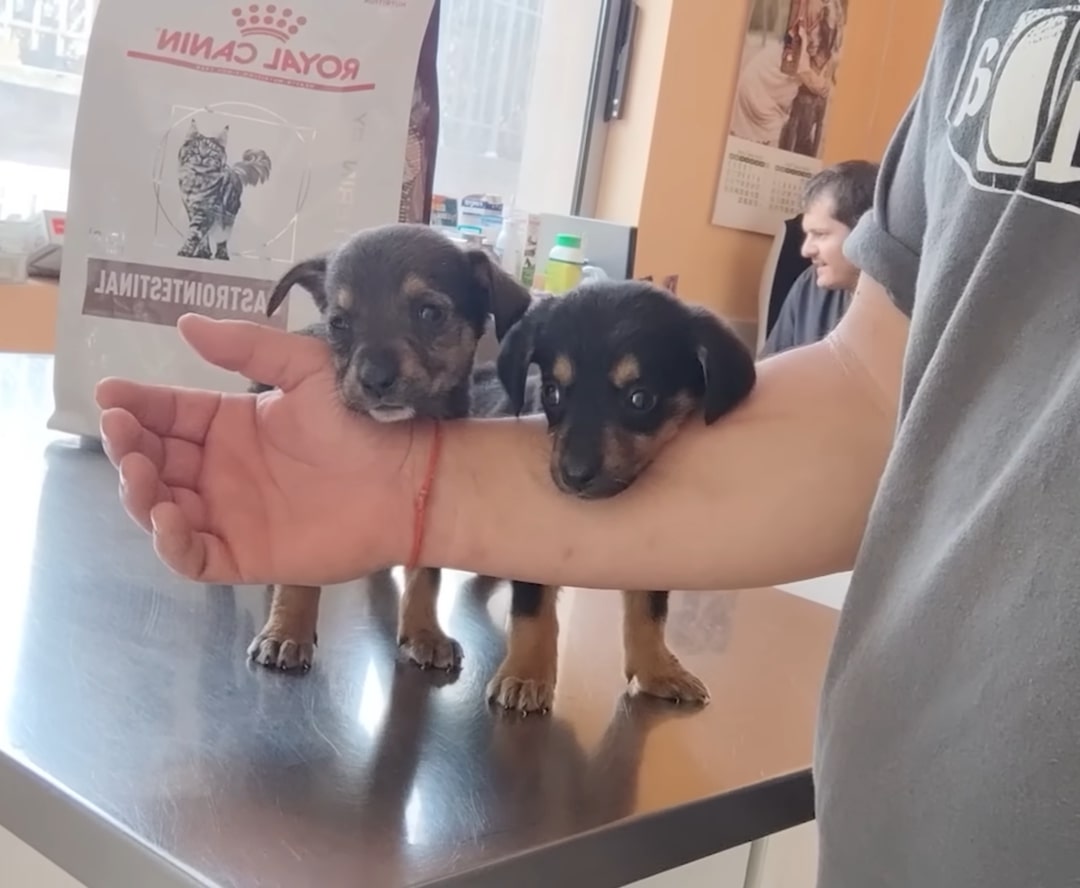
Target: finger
<point>259,353</point>
<point>141,488</point>
<point>182,464</point>
<point>192,505</point>
<point>165,411</point>
<point>177,461</point>
<point>191,553</point>
<point>121,434</point>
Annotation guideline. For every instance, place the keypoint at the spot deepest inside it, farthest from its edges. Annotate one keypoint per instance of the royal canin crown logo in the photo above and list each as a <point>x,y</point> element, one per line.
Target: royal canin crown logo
<point>257,51</point>
<point>268,22</point>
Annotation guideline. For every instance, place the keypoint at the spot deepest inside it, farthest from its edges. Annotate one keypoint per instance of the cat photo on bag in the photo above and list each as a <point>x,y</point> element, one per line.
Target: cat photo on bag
<point>212,189</point>
<point>230,181</point>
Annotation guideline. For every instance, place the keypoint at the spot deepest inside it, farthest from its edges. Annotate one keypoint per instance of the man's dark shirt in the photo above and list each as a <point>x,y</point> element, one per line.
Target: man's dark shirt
<point>808,314</point>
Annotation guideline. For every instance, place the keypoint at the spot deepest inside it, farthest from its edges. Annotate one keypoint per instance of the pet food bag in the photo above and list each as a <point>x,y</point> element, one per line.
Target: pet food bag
<point>218,143</point>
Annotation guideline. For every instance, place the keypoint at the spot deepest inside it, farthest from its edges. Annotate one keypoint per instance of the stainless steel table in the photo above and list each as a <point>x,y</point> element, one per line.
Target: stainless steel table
<point>138,747</point>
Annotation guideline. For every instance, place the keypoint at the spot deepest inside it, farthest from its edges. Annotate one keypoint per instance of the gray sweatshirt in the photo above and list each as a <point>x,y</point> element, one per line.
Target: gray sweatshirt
<point>948,751</point>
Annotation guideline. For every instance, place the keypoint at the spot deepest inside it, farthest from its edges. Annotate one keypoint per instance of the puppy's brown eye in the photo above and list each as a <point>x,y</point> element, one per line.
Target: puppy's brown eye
<point>339,323</point>
<point>642,400</point>
<point>551,394</point>
<point>431,314</point>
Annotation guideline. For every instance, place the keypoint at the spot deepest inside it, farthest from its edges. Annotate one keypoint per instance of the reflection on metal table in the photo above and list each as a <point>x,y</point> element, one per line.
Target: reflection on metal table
<point>139,747</point>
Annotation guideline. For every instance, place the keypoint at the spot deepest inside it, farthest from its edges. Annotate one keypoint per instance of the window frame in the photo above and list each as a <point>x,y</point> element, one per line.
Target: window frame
<point>598,120</point>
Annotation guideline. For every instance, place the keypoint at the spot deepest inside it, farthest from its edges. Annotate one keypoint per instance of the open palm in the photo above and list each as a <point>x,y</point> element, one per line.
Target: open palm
<point>239,488</point>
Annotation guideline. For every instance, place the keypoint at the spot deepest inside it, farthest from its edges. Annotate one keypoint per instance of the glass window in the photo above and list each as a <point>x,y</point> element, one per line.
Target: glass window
<point>42,49</point>
<point>513,86</point>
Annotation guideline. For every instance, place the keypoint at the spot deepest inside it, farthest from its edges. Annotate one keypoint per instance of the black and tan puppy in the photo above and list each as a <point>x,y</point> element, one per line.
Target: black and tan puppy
<point>623,366</point>
<point>402,309</point>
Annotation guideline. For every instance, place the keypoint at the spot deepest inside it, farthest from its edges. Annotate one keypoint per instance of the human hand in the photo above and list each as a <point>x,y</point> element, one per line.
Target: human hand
<point>286,486</point>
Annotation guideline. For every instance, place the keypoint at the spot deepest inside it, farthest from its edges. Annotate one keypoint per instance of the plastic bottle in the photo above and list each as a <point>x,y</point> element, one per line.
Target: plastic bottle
<point>564,264</point>
<point>510,245</point>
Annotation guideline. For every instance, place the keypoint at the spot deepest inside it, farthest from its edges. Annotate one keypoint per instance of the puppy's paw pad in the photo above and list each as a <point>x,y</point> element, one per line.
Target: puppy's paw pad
<point>520,693</point>
<point>432,650</point>
<point>284,653</point>
<point>672,681</point>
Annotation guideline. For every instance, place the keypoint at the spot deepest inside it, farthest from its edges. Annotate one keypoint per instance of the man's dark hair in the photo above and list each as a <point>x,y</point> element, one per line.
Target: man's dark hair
<point>849,183</point>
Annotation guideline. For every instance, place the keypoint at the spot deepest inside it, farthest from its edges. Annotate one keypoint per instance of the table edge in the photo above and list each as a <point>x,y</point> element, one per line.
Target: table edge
<point>73,835</point>
<point>82,840</point>
<point>628,850</point>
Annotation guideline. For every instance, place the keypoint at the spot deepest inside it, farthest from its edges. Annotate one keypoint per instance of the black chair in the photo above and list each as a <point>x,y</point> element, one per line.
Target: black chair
<point>783,265</point>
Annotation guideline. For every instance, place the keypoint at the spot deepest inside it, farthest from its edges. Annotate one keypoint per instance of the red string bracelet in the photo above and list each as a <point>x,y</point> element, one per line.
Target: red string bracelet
<point>420,503</point>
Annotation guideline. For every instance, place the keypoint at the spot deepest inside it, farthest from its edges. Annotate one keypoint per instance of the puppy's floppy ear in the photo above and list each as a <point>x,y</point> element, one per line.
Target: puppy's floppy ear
<point>507,299</point>
<point>309,274</point>
<point>728,365</point>
<point>517,350</point>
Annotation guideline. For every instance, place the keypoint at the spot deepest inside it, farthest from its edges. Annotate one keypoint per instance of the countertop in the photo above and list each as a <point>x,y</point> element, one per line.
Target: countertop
<point>139,747</point>
<point>28,316</point>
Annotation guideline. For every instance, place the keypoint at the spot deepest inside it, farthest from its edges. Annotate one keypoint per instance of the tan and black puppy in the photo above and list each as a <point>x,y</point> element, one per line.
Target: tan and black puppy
<point>623,365</point>
<point>402,309</point>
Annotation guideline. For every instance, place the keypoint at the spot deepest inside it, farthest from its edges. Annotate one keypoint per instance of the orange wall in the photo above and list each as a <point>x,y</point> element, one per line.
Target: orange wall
<point>667,185</point>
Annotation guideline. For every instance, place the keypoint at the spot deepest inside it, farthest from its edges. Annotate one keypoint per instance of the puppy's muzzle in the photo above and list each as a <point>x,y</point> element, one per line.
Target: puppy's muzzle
<point>583,474</point>
<point>578,471</point>
<point>378,373</point>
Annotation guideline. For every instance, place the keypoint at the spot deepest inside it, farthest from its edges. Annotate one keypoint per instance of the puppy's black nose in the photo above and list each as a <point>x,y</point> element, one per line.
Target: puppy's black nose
<point>578,471</point>
<point>378,372</point>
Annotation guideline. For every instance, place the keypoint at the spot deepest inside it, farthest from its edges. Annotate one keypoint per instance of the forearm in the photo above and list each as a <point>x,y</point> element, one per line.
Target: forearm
<point>778,490</point>
<point>816,83</point>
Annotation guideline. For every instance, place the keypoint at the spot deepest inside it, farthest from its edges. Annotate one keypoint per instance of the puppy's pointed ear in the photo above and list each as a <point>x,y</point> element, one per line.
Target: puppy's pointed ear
<point>728,365</point>
<point>517,350</point>
<point>507,300</point>
<point>309,274</point>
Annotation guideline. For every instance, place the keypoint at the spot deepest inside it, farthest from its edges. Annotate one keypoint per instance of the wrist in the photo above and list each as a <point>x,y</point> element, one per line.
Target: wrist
<point>421,496</point>
<point>409,529</point>
<point>487,470</point>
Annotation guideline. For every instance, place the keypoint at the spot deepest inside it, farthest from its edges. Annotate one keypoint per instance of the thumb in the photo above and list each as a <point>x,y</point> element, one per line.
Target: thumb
<point>260,353</point>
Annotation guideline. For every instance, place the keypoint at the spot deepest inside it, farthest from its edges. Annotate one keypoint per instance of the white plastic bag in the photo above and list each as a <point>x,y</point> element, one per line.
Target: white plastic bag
<point>218,143</point>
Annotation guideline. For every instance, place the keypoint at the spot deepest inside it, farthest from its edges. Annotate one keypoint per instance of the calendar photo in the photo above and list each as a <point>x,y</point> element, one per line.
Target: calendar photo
<point>787,74</point>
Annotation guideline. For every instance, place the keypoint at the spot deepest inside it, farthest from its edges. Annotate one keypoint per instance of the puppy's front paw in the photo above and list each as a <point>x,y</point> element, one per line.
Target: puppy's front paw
<point>432,649</point>
<point>281,650</point>
<point>667,678</point>
<point>523,687</point>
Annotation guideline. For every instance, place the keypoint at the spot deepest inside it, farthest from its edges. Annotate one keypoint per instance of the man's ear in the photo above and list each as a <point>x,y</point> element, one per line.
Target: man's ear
<point>507,299</point>
<point>726,361</point>
<point>517,350</point>
<point>309,274</point>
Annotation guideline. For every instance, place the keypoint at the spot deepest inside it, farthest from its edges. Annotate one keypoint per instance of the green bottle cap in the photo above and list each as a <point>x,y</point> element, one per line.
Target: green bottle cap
<point>568,240</point>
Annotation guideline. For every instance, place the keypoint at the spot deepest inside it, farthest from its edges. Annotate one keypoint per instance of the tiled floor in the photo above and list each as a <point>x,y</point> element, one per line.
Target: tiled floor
<point>828,590</point>
<point>28,869</point>
<point>726,870</point>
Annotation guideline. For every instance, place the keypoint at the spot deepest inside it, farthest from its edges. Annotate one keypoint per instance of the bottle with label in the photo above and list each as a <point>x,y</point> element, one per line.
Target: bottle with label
<point>564,264</point>
<point>792,53</point>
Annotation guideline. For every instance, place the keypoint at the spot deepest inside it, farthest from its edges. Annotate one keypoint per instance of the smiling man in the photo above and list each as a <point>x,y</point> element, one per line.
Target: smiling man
<point>833,201</point>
